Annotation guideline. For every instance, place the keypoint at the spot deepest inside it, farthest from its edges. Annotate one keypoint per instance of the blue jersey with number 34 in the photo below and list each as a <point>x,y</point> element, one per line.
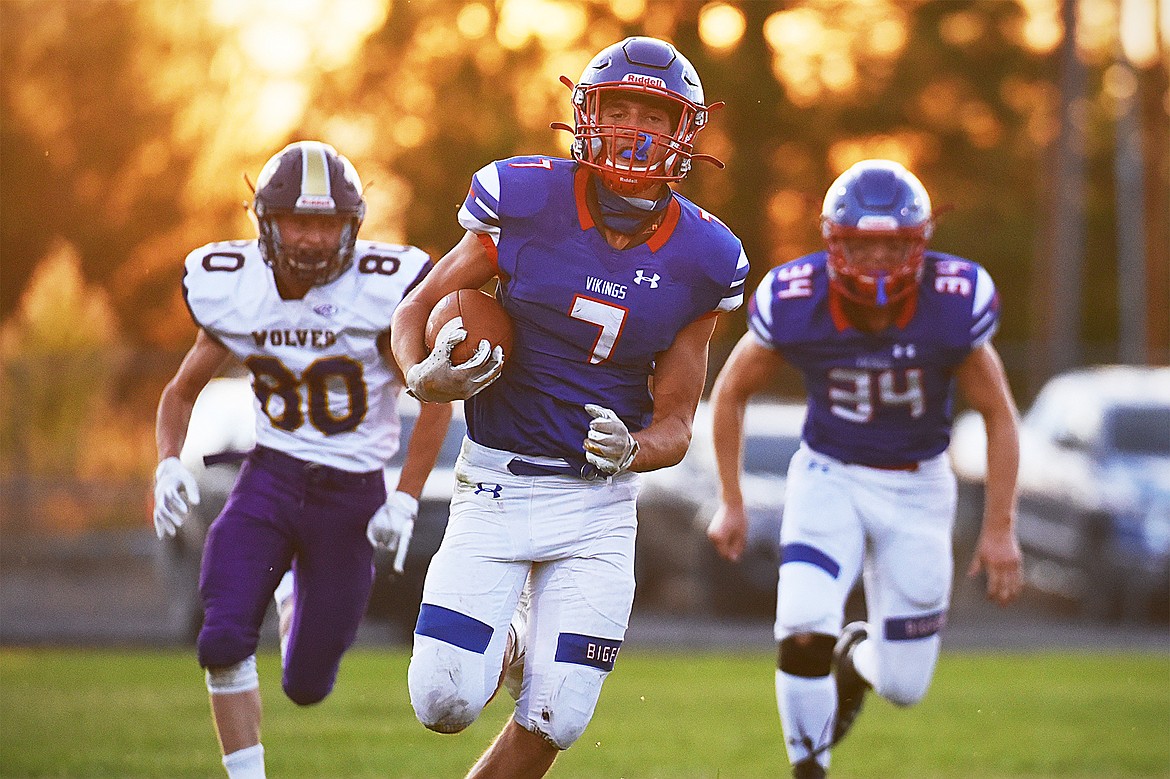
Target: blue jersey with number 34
<point>589,319</point>
<point>881,399</point>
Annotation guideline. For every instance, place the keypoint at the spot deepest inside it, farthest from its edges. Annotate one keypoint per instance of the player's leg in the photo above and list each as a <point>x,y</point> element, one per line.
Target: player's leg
<point>908,582</point>
<point>334,577</point>
<point>470,593</point>
<point>822,544</point>
<point>579,612</point>
<point>244,554</point>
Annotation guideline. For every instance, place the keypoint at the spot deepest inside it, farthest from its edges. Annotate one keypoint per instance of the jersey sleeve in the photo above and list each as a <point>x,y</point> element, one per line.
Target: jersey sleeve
<point>215,279</point>
<point>388,272</point>
<point>480,212</point>
<point>733,296</point>
<point>984,309</point>
<point>760,316</point>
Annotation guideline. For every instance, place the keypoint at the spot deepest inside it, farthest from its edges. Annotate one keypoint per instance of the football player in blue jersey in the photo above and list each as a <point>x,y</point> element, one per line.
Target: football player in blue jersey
<point>613,282</point>
<point>306,308</point>
<point>882,331</point>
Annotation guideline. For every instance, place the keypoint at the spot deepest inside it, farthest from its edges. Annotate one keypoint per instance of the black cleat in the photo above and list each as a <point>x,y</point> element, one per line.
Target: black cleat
<point>850,686</point>
<point>808,768</point>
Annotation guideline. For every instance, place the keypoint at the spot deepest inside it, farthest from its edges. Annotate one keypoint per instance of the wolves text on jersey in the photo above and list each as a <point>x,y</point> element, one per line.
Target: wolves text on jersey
<point>315,339</point>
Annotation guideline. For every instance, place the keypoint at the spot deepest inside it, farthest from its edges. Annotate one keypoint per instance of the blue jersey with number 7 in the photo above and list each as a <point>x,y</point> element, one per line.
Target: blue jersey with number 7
<point>589,319</point>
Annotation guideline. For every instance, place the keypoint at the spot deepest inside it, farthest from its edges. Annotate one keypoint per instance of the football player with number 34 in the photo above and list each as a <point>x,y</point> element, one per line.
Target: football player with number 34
<point>306,308</point>
<point>882,331</point>
<point>613,283</point>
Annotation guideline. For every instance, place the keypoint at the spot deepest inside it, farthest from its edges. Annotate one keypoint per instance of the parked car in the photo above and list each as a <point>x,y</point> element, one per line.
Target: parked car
<point>677,568</point>
<point>1094,515</point>
<point>222,429</point>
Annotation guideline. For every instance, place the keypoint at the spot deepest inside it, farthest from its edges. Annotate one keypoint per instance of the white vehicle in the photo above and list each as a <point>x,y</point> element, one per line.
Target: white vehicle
<point>677,568</point>
<point>1094,518</point>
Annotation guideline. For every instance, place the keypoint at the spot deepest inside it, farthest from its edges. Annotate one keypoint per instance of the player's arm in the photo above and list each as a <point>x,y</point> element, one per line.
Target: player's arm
<point>201,364</point>
<point>468,265</point>
<point>982,381</point>
<point>423,448</point>
<point>175,489</point>
<point>745,373</point>
<point>679,374</point>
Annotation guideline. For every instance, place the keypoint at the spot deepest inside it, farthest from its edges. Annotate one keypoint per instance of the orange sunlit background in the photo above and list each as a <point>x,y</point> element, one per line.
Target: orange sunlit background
<point>127,128</point>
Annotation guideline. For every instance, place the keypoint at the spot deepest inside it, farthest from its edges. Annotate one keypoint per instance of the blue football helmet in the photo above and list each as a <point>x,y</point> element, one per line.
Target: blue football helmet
<point>649,70</point>
<point>308,177</point>
<point>876,221</point>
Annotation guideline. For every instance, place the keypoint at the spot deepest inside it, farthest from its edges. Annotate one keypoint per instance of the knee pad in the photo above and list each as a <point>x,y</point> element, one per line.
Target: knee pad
<point>568,711</point>
<point>808,654</point>
<point>239,677</point>
<point>447,688</point>
<point>223,647</point>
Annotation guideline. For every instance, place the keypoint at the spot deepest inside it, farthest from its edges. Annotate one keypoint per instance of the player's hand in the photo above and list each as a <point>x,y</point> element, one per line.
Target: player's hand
<point>175,492</point>
<point>437,380</point>
<point>609,447</point>
<point>392,526</point>
<point>998,554</point>
<point>727,531</point>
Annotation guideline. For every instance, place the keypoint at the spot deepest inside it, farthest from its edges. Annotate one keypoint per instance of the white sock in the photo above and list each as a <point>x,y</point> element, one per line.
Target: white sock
<point>246,763</point>
<point>807,706</point>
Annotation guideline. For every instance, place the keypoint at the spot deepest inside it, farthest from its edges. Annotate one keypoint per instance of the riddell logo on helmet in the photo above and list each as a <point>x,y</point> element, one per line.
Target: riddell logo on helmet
<point>316,201</point>
<point>650,81</point>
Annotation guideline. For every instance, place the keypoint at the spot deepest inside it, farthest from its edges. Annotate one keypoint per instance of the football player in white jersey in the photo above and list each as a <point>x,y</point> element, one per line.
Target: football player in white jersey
<point>882,331</point>
<point>306,308</point>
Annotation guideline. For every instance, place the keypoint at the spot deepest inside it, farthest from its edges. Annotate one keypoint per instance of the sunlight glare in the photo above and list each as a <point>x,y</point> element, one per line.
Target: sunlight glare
<point>628,10</point>
<point>721,26</point>
<point>1139,26</point>
<point>555,24</point>
<point>473,21</point>
<point>1042,28</point>
<point>277,47</point>
<point>280,106</point>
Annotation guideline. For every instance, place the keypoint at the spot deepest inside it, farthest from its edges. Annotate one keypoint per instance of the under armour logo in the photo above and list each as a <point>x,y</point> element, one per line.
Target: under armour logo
<point>906,350</point>
<point>640,276</point>
<point>325,309</point>
<point>491,489</point>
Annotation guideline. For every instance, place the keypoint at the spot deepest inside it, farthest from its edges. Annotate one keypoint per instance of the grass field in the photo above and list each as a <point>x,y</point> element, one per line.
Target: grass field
<point>96,713</point>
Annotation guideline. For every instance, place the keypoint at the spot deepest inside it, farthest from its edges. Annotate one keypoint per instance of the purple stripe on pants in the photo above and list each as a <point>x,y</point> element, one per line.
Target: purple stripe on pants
<point>281,508</point>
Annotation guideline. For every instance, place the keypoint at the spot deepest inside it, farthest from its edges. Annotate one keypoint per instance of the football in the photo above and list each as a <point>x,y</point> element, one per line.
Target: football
<point>483,318</point>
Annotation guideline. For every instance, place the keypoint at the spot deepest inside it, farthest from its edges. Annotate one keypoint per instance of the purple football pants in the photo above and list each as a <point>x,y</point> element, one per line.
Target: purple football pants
<point>283,508</point>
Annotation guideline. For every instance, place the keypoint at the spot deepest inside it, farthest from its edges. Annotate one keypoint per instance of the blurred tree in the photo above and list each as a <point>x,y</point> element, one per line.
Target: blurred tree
<point>58,355</point>
<point>125,127</point>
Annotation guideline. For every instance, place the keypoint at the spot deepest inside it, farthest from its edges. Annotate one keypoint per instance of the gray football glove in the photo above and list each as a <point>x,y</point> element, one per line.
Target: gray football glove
<point>609,447</point>
<point>436,380</point>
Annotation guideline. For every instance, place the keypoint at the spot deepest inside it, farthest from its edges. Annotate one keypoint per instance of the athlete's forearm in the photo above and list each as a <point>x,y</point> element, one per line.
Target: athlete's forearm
<point>423,448</point>
<point>1003,461</point>
<point>727,411</point>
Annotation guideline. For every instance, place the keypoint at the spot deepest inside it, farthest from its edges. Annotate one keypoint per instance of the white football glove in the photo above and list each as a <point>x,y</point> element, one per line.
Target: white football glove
<point>609,447</point>
<point>392,526</point>
<point>436,380</point>
<point>175,492</point>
